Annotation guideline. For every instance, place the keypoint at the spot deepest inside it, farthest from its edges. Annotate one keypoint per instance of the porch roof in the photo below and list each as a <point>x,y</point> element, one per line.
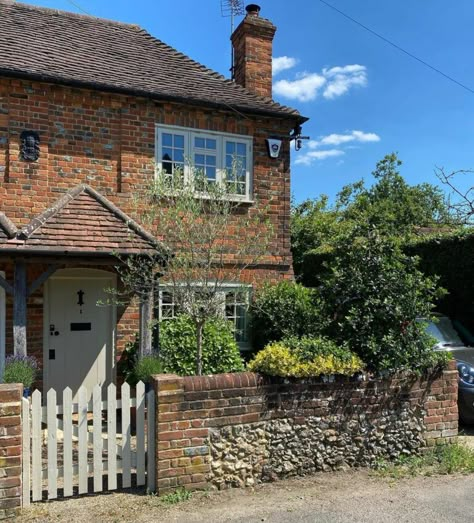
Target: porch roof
<point>82,222</point>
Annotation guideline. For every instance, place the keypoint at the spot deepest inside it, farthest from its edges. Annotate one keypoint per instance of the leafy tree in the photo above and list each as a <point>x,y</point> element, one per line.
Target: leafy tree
<point>374,294</point>
<point>390,205</point>
<point>212,239</point>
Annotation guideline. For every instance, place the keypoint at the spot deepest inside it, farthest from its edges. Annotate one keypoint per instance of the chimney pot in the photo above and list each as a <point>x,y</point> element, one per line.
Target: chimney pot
<point>253,10</point>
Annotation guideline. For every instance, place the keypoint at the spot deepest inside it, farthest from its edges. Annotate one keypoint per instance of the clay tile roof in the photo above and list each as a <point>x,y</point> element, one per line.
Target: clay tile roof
<point>57,46</point>
<point>83,222</point>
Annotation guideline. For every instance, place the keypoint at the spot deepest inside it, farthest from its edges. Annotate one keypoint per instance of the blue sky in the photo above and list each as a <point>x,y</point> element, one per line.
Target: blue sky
<point>363,97</point>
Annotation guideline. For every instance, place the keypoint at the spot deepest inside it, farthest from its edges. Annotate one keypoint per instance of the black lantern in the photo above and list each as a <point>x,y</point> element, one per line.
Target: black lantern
<point>30,146</point>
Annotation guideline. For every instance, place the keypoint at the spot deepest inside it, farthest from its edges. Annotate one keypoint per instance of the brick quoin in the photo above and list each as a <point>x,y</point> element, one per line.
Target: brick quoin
<point>244,399</point>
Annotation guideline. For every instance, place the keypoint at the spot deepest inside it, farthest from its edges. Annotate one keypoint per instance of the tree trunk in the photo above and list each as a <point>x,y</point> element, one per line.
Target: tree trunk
<point>199,330</point>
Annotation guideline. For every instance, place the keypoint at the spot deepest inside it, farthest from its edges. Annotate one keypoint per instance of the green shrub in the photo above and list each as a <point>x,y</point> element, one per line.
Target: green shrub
<point>146,367</point>
<point>20,369</point>
<point>178,347</point>
<point>374,295</point>
<point>284,309</point>
<point>306,357</point>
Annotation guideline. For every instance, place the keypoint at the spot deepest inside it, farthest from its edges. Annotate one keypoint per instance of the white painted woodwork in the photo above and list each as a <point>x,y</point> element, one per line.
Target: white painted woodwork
<point>82,422</point>
<point>36,461</point>
<point>26,457</point>
<point>68,424</point>
<point>67,448</point>
<point>126,436</point>
<point>81,357</point>
<point>52,447</point>
<point>97,419</point>
<point>140,428</point>
<point>112,436</point>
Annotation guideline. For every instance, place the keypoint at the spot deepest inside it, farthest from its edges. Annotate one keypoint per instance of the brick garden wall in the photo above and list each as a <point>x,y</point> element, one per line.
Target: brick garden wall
<point>235,430</point>
<point>10,450</point>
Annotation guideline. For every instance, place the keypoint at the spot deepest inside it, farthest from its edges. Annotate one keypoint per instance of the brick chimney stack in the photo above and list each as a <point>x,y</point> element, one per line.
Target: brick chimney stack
<point>252,43</point>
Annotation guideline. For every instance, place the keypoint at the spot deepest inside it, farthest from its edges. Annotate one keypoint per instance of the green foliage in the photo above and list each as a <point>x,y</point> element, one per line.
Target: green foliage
<point>373,294</point>
<point>442,459</point>
<point>128,359</point>
<point>146,367</point>
<point>394,207</point>
<point>284,309</point>
<point>178,347</point>
<point>449,256</point>
<point>305,357</point>
<point>178,496</point>
<point>20,369</point>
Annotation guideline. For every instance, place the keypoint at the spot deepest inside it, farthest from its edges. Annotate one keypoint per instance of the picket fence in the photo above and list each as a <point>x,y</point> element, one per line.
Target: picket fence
<point>69,448</point>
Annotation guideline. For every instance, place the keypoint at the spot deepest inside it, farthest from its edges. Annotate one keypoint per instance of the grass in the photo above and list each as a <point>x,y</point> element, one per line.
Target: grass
<point>443,459</point>
<point>178,496</point>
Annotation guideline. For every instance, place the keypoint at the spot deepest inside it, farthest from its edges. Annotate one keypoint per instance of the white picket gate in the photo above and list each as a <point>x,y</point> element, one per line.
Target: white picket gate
<point>72,448</point>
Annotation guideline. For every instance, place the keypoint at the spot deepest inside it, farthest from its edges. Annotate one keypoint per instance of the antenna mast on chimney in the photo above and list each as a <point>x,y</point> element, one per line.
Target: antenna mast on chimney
<point>232,8</point>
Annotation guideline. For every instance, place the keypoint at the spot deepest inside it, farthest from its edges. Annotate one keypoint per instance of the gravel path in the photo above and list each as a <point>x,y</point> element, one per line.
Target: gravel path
<point>331,497</point>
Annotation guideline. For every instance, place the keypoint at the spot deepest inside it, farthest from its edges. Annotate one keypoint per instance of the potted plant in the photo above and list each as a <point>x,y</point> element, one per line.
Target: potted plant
<point>21,369</point>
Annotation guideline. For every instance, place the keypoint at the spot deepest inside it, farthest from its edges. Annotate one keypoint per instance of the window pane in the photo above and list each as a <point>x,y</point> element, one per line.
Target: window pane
<point>167,154</point>
<point>241,149</point>
<point>167,139</point>
<point>211,160</point>
<point>211,173</point>
<point>179,141</point>
<point>199,159</point>
<point>199,142</point>
<point>230,147</point>
<point>211,144</point>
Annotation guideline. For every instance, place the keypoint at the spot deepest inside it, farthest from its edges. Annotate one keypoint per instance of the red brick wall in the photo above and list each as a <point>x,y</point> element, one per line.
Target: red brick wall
<point>108,142</point>
<point>10,450</point>
<point>192,410</point>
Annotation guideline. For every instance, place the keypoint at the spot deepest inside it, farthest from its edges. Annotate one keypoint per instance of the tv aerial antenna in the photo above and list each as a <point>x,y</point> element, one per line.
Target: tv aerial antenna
<point>231,9</point>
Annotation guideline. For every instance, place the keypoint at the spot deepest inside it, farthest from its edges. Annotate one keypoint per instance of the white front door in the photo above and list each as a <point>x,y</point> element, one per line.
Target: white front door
<point>78,331</point>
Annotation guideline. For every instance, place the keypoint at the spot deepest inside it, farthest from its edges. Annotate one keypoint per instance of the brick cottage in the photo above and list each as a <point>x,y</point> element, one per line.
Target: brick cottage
<point>89,108</point>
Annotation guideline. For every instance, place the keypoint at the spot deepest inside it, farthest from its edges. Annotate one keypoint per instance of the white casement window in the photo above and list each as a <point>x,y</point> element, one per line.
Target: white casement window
<point>221,158</point>
<point>235,304</point>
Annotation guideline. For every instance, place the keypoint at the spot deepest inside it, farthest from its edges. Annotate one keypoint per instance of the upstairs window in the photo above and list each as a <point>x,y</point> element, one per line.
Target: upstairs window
<point>225,159</point>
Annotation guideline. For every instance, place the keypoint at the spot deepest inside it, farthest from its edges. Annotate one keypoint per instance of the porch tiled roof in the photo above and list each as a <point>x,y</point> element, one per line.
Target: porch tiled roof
<point>80,222</point>
<point>62,47</point>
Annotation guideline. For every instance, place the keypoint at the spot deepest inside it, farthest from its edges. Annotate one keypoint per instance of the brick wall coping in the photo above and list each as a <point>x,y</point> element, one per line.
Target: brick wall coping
<point>239,380</point>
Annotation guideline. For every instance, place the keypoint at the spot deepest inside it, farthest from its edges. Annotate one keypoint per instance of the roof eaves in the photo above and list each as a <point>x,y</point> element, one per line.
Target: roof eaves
<point>286,114</point>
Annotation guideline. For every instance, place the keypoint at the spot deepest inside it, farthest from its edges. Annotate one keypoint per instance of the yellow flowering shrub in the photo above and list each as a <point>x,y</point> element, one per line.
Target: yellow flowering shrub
<point>277,359</point>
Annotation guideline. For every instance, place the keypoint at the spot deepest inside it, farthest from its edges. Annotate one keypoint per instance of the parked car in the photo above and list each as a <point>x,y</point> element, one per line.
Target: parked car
<point>454,337</point>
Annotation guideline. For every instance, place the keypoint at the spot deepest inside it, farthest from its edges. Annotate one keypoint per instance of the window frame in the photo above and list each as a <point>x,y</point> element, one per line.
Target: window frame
<point>225,288</point>
<point>190,150</point>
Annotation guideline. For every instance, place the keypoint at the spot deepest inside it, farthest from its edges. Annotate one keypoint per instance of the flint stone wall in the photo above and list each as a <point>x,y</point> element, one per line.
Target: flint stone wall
<point>236,430</point>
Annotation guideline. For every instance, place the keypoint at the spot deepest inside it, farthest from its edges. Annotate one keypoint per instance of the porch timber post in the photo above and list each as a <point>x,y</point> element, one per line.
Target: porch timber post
<point>146,318</point>
<point>19,309</point>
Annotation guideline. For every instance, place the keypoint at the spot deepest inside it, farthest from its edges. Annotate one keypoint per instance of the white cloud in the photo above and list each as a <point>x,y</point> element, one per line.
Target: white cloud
<point>339,139</point>
<point>282,63</point>
<point>317,152</point>
<point>341,79</point>
<point>309,157</point>
<point>330,83</point>
<point>304,89</point>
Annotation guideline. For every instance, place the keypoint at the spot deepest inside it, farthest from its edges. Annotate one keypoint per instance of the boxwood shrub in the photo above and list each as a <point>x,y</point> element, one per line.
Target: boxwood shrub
<point>178,347</point>
<point>305,357</point>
